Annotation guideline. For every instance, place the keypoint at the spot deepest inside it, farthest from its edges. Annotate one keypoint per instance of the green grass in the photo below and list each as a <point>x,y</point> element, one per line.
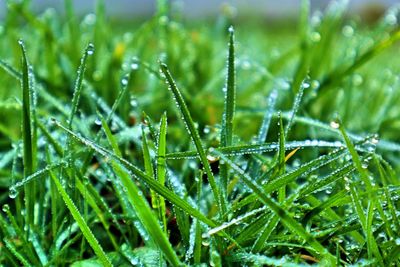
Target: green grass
<point>276,145</point>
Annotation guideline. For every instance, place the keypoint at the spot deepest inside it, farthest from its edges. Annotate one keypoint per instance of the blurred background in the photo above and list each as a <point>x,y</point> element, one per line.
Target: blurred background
<point>127,9</point>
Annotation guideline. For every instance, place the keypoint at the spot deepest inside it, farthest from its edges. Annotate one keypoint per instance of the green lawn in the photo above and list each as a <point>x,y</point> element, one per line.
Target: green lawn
<point>175,142</point>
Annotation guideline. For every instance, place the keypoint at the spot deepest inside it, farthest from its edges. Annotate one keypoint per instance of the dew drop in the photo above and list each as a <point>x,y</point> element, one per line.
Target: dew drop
<point>97,121</point>
<point>163,20</point>
<point>334,124</point>
<point>90,19</point>
<point>124,81</point>
<point>192,165</point>
<point>211,158</point>
<point>306,85</point>
<point>20,42</point>
<point>397,241</point>
<point>391,19</point>
<point>133,102</point>
<point>315,84</point>
<point>375,140</point>
<point>315,37</point>
<point>230,29</point>
<point>328,191</point>
<point>13,193</point>
<point>364,165</point>
<point>134,66</point>
<point>246,65</point>
<point>6,207</point>
<point>90,49</point>
<point>357,79</point>
<point>348,31</point>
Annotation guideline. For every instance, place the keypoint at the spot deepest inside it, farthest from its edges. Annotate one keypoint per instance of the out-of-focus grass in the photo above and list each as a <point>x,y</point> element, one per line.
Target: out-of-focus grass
<point>277,145</point>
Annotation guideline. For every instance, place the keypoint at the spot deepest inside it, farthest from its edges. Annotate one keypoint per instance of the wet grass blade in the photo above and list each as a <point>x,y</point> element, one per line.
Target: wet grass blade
<point>150,181</point>
<point>265,233</point>
<point>295,108</point>
<point>281,159</point>
<point>288,221</point>
<point>162,166</point>
<point>148,167</point>
<point>263,131</point>
<point>239,150</point>
<point>78,83</point>
<point>141,207</point>
<point>194,134</point>
<point>355,157</point>
<point>28,134</point>
<point>289,177</point>
<point>81,223</point>
<point>229,109</point>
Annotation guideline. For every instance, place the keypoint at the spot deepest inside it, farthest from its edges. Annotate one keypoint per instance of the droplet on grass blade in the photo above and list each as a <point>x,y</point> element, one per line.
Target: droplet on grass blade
<point>97,121</point>
<point>347,31</point>
<point>90,49</point>
<point>334,124</point>
<point>134,66</point>
<point>124,80</point>
<point>13,192</point>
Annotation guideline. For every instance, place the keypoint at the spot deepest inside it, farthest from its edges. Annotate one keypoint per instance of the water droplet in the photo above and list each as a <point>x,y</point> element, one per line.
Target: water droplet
<point>231,29</point>
<point>306,85</point>
<point>90,19</point>
<point>97,75</point>
<point>134,66</point>
<point>246,65</point>
<point>20,42</point>
<point>283,84</point>
<point>397,241</point>
<point>357,79</point>
<point>52,120</point>
<point>163,20</point>
<point>97,121</point>
<point>375,140</point>
<point>328,191</point>
<point>124,81</point>
<point>13,192</point>
<point>6,207</point>
<point>192,165</point>
<point>315,37</point>
<point>133,102</point>
<point>334,124</point>
<point>364,164</point>
<point>348,31</point>
<point>316,18</point>
<point>211,158</point>
<point>90,49</point>
<point>391,19</point>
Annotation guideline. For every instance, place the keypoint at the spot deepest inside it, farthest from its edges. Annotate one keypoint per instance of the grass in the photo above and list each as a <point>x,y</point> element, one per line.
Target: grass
<point>274,146</point>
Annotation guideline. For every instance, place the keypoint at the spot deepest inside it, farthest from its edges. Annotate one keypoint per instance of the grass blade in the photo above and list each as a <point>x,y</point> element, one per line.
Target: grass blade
<point>162,166</point>
<point>81,223</point>
<point>194,134</point>
<point>140,205</point>
<point>355,157</point>
<point>150,181</point>
<point>229,110</point>
<point>78,83</point>
<point>29,134</point>
<point>262,133</point>
<point>289,222</point>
